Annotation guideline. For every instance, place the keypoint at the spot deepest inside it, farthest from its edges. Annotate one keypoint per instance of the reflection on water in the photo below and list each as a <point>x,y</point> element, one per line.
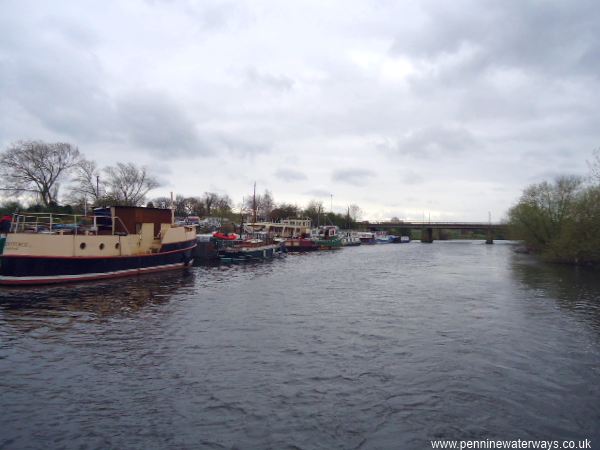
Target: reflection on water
<point>576,289</point>
<point>370,347</point>
<point>100,298</point>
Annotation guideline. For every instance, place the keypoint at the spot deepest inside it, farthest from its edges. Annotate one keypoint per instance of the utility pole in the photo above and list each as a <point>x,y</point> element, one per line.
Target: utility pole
<point>254,204</point>
<point>242,216</point>
<point>97,187</point>
<point>172,210</point>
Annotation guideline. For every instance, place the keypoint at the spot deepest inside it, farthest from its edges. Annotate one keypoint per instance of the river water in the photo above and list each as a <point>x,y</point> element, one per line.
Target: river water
<point>373,347</point>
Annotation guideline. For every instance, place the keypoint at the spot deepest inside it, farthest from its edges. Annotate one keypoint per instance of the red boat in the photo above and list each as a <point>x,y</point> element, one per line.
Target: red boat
<point>226,236</point>
<point>300,245</point>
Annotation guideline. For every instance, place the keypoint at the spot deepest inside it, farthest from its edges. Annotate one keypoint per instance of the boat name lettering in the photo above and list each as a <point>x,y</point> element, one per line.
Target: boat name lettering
<point>16,245</point>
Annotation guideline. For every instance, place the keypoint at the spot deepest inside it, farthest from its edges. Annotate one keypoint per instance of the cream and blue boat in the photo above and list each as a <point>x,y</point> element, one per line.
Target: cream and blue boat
<point>114,242</point>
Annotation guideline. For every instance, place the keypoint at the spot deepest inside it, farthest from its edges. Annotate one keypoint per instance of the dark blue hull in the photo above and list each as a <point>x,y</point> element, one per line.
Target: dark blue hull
<point>48,270</point>
<point>260,253</point>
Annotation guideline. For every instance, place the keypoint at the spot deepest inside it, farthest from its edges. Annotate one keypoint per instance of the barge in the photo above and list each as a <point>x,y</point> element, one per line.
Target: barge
<point>114,242</point>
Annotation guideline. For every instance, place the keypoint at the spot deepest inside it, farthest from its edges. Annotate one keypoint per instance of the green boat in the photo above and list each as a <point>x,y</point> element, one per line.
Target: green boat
<point>327,238</point>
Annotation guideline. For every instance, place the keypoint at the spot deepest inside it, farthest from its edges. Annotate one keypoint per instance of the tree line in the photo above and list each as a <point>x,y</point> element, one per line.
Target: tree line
<point>40,169</point>
<point>43,170</point>
<point>560,220</point>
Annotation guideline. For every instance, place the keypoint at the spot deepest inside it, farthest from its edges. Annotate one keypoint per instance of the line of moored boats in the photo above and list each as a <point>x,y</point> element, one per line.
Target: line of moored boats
<point>264,240</point>
<point>119,241</point>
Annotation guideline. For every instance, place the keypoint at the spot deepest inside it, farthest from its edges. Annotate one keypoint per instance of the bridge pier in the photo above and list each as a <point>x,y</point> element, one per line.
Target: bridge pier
<point>490,236</point>
<point>427,235</point>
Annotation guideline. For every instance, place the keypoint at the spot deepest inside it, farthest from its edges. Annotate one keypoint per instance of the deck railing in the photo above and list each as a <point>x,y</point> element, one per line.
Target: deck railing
<point>51,223</point>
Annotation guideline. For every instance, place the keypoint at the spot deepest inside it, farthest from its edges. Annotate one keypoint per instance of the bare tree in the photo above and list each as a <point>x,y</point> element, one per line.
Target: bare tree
<point>285,211</point>
<point>267,205</point>
<point>313,211</point>
<point>195,206</point>
<point>223,204</point>
<point>355,212</point>
<point>209,199</point>
<point>594,166</point>
<point>38,167</point>
<point>87,181</point>
<point>188,206</point>
<point>161,202</point>
<point>129,184</point>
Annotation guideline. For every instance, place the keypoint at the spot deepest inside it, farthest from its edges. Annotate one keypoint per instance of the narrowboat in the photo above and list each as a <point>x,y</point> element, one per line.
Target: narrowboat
<point>114,242</point>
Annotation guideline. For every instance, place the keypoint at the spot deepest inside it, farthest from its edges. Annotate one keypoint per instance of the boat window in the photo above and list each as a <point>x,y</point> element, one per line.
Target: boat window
<point>82,245</point>
<point>101,246</point>
<point>117,245</point>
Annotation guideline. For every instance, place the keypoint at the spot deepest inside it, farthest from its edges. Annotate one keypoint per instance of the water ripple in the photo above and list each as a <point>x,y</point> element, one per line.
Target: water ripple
<point>369,347</point>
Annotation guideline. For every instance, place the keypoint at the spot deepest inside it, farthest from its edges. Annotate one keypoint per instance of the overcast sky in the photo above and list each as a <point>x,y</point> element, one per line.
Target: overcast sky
<point>418,108</point>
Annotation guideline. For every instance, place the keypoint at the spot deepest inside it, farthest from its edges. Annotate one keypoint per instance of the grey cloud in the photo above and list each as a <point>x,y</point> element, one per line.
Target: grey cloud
<point>247,146</point>
<point>318,193</point>
<point>73,33</point>
<point>435,141</point>
<point>560,37</point>
<point>411,177</point>
<point>270,81</point>
<point>290,175</point>
<point>352,176</point>
<point>57,80</point>
<point>210,15</point>
<point>153,121</point>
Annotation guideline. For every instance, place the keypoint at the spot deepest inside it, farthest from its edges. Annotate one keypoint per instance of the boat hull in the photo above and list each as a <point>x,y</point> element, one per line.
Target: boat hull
<point>329,244</point>
<point>249,253</point>
<point>301,245</point>
<point>31,270</point>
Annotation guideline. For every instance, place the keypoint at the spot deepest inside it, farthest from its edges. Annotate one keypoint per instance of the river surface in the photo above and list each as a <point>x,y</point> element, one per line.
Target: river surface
<point>373,347</point>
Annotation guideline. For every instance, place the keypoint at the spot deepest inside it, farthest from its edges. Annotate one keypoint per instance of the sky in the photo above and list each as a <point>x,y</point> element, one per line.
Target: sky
<point>443,110</point>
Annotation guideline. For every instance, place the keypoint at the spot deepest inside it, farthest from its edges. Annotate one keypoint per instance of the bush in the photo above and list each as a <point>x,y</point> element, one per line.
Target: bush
<point>560,220</point>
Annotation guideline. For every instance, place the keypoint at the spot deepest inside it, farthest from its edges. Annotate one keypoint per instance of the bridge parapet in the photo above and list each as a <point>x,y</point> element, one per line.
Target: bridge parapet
<point>428,227</point>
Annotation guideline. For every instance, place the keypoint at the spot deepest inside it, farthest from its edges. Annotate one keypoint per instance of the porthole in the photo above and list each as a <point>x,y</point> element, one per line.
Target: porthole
<point>101,246</point>
<point>82,245</point>
<point>117,246</point>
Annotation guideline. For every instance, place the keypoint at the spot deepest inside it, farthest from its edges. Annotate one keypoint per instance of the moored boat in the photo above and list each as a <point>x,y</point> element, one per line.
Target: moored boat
<point>293,233</point>
<point>326,237</point>
<point>350,240</point>
<point>249,248</point>
<point>381,237</point>
<point>301,244</point>
<point>366,237</point>
<point>115,242</point>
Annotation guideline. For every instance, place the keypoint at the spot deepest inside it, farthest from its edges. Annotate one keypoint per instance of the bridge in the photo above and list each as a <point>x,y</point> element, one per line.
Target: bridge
<point>427,228</point>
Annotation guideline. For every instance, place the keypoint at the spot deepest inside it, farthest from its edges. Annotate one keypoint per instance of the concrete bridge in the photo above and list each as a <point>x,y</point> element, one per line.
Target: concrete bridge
<point>427,228</point>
